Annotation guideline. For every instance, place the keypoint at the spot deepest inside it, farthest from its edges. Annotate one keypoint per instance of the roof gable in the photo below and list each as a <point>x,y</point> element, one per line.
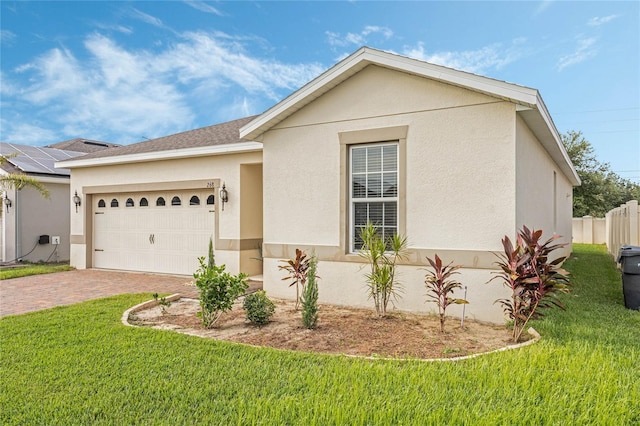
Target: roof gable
<point>527,99</point>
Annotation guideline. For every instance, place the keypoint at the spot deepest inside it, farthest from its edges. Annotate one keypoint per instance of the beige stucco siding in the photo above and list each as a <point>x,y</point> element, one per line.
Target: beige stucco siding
<point>457,189</point>
<point>544,194</point>
<point>200,171</point>
<point>460,175</point>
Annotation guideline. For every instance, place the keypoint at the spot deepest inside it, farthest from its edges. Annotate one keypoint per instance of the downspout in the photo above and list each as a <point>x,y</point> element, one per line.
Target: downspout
<point>18,231</point>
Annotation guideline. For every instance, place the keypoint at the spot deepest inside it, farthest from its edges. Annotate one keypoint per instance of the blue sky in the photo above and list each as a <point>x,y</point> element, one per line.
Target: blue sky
<point>124,71</point>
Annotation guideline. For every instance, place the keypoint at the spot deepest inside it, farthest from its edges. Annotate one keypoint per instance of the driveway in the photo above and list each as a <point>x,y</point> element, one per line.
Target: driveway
<point>36,292</point>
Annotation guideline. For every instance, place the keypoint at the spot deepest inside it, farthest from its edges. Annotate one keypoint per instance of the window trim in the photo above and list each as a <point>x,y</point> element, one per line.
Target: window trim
<point>370,136</point>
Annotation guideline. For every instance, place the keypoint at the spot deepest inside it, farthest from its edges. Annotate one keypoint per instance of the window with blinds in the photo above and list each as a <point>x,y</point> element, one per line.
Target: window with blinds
<point>373,189</point>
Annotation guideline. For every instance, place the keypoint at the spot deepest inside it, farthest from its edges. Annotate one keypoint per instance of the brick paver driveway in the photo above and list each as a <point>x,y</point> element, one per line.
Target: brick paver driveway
<point>36,292</point>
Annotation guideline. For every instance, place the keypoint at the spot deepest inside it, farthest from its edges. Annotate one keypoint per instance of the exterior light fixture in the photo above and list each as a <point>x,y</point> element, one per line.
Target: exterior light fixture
<point>224,195</point>
<point>77,200</point>
<point>7,202</point>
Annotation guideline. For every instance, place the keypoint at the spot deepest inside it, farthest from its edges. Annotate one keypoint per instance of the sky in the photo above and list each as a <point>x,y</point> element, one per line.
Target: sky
<point>127,71</point>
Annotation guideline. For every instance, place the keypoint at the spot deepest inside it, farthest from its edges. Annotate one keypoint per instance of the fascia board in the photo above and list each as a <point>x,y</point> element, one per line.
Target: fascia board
<point>546,117</point>
<point>235,148</point>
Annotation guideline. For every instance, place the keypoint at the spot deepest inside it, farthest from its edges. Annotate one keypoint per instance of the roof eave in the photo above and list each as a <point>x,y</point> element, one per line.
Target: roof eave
<point>234,148</point>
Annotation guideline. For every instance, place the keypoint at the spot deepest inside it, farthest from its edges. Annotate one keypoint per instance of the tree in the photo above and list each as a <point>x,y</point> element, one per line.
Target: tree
<point>19,181</point>
<point>601,189</point>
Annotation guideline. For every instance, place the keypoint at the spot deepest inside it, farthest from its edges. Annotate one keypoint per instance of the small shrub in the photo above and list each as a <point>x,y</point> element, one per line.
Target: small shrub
<point>259,307</point>
<point>163,302</point>
<point>297,269</point>
<point>440,286</point>
<point>531,277</point>
<point>382,256</point>
<point>218,290</point>
<point>310,296</point>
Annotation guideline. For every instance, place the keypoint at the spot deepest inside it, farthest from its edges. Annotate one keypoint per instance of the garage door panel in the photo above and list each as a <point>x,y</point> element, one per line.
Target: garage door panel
<point>152,238</point>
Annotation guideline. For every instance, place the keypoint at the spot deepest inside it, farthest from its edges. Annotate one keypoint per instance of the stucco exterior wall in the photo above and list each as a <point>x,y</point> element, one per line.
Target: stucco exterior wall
<point>32,215</point>
<point>218,169</point>
<point>544,194</point>
<point>458,193</point>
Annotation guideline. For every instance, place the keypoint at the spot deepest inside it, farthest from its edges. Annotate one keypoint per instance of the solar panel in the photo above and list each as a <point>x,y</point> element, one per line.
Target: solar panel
<point>35,159</point>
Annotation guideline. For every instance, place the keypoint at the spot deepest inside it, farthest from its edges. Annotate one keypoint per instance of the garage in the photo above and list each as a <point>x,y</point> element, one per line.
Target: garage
<point>161,232</point>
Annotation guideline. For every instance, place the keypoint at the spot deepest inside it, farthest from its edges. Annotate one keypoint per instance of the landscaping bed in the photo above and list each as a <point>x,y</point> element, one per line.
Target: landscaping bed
<point>340,330</point>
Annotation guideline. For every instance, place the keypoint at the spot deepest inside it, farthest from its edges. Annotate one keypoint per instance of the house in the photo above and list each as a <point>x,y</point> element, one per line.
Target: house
<point>26,215</point>
<point>453,160</point>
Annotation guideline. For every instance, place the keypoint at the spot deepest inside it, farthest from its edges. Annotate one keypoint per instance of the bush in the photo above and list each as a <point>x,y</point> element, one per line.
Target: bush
<point>310,296</point>
<point>297,269</point>
<point>440,286</point>
<point>259,307</point>
<point>531,277</point>
<point>218,291</point>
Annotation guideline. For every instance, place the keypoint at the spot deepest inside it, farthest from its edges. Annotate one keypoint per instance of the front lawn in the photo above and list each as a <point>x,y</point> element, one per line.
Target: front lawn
<point>80,365</point>
<point>32,269</point>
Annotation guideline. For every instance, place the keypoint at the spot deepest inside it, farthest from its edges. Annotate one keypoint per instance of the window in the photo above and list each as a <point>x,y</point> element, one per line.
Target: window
<point>114,203</point>
<point>175,201</point>
<point>144,202</point>
<point>210,200</point>
<point>194,201</point>
<point>102,204</point>
<point>160,202</point>
<point>129,203</point>
<point>373,189</point>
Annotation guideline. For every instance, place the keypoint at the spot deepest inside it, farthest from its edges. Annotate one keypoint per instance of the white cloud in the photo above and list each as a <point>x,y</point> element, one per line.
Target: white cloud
<point>600,20</point>
<point>144,17</point>
<point>476,61</point>
<point>26,134</point>
<point>7,37</point>
<point>122,95</point>
<point>359,39</point>
<point>542,7</point>
<point>203,7</point>
<point>118,28</point>
<point>584,51</point>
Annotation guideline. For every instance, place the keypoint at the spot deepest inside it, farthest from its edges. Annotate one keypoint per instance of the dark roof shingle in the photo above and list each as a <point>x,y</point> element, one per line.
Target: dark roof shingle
<point>219,134</point>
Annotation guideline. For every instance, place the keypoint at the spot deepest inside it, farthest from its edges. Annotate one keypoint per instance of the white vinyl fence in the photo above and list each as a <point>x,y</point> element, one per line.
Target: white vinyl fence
<point>589,230</point>
<point>623,227</point>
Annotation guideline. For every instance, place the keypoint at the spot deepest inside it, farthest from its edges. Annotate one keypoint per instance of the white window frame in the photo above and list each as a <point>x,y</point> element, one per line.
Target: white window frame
<point>381,199</point>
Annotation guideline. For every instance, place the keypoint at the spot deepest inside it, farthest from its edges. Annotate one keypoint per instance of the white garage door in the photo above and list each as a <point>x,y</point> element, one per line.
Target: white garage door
<point>152,232</point>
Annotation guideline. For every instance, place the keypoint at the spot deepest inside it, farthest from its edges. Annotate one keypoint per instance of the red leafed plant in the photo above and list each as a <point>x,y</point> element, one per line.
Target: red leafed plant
<point>440,286</point>
<point>297,269</point>
<point>533,279</point>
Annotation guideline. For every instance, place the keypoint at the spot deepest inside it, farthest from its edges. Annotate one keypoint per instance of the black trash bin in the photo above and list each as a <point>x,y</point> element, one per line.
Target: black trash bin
<point>629,258</point>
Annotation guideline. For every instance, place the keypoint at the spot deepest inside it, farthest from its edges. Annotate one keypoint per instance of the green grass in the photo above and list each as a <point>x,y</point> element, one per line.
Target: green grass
<point>32,269</point>
<point>80,365</point>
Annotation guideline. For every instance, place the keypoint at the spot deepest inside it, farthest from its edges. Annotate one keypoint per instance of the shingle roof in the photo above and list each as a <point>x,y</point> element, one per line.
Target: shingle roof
<point>219,134</point>
<point>83,145</point>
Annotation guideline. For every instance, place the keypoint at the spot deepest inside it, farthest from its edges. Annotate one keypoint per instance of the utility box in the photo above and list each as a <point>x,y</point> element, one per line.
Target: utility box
<point>629,259</point>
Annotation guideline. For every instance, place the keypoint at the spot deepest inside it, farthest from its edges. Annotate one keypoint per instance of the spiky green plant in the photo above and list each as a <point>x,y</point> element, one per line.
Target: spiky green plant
<point>382,256</point>
<point>310,296</point>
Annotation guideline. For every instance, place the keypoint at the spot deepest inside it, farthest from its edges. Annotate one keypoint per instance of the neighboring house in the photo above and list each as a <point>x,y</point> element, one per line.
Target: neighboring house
<point>453,160</point>
<point>27,216</point>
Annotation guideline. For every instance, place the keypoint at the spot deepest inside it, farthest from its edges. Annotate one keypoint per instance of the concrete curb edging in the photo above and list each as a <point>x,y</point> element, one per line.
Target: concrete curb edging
<point>531,330</point>
<point>174,297</point>
<point>145,305</point>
